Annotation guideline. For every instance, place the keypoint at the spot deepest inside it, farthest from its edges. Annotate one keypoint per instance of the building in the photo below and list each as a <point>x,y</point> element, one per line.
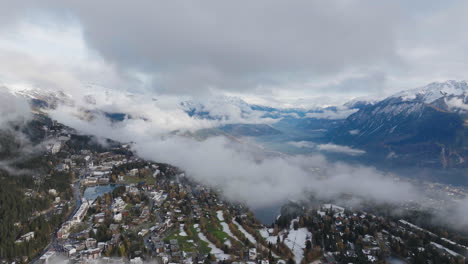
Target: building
<point>47,257</point>
<point>26,237</point>
<point>252,253</point>
<point>90,243</point>
<point>56,147</point>
<point>53,192</point>
<point>93,253</point>
<point>81,213</point>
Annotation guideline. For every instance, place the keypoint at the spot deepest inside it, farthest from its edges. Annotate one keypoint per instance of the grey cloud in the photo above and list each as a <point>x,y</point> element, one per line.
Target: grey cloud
<point>234,46</point>
<point>239,171</point>
<point>14,110</point>
<point>188,48</point>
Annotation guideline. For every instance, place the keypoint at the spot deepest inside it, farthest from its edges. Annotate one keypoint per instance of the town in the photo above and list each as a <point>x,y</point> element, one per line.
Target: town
<point>119,208</point>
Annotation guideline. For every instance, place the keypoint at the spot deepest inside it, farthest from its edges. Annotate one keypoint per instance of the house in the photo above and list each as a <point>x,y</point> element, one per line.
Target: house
<point>70,250</point>
<point>252,253</point>
<point>93,253</point>
<point>26,237</point>
<point>81,213</point>
<point>53,192</point>
<point>47,257</point>
<point>118,217</point>
<point>62,167</point>
<point>90,243</point>
<point>136,260</point>
<point>114,228</point>
<point>133,172</point>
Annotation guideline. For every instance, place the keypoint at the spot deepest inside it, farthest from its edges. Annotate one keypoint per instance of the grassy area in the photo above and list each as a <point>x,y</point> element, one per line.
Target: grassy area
<point>189,243</point>
<point>148,179</point>
<point>202,245</point>
<point>217,232</point>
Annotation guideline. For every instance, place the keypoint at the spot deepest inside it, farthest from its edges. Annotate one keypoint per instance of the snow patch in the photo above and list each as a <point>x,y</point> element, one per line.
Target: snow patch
<point>182,231</point>
<point>220,215</point>
<point>246,234</point>
<point>296,240</point>
<point>218,253</point>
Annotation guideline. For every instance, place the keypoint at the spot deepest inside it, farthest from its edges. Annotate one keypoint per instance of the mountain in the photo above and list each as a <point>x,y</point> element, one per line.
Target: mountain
<point>243,119</point>
<point>251,130</point>
<point>426,126</point>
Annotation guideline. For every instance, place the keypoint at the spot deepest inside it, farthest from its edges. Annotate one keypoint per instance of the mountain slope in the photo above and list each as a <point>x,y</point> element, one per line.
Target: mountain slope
<point>417,127</point>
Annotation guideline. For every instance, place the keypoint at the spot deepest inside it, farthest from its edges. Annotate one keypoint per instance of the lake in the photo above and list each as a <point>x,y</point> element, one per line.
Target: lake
<point>93,192</point>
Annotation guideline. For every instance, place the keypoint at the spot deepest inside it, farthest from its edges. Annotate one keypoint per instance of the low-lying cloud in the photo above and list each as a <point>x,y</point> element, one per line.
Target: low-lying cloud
<point>341,149</point>
<point>457,104</point>
<point>341,113</point>
<point>14,110</point>
<point>239,173</point>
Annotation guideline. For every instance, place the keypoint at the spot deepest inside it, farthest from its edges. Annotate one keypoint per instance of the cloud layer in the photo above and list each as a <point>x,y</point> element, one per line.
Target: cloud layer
<point>14,110</point>
<point>240,173</point>
<point>295,52</point>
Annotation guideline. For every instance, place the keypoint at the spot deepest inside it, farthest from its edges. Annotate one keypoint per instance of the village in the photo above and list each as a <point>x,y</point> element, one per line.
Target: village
<point>124,209</point>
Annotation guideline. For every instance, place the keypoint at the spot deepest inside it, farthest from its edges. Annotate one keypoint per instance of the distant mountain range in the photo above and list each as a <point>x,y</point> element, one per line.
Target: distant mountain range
<point>425,127</point>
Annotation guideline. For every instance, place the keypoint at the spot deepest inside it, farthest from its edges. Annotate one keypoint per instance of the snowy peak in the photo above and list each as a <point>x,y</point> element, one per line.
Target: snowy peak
<point>42,98</point>
<point>434,91</point>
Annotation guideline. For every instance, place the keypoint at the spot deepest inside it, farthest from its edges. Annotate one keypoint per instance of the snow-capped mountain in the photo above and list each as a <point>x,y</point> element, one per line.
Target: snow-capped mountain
<point>434,91</point>
<point>43,98</point>
<point>426,125</point>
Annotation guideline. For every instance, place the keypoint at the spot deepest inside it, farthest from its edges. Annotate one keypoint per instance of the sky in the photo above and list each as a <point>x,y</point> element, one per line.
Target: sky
<point>292,54</point>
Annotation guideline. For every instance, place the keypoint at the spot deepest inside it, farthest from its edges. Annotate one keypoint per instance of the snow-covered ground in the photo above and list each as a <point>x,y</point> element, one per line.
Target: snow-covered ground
<point>246,234</point>
<point>182,231</point>
<point>296,241</point>
<point>228,243</point>
<point>265,233</point>
<point>218,253</point>
<point>252,239</point>
<point>220,215</point>
<point>227,230</point>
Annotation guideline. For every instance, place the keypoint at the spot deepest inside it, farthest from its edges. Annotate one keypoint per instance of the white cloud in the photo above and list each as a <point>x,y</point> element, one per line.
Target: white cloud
<point>341,149</point>
<point>14,110</point>
<point>241,174</point>
<point>302,144</point>
<point>457,103</point>
<point>330,114</point>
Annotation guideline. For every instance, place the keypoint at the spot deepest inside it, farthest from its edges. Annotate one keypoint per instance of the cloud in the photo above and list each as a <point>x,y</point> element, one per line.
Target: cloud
<point>296,53</point>
<point>14,110</point>
<point>226,109</point>
<point>302,144</point>
<point>195,49</point>
<point>340,113</point>
<point>240,173</point>
<point>320,52</point>
<point>457,103</point>
<point>341,149</point>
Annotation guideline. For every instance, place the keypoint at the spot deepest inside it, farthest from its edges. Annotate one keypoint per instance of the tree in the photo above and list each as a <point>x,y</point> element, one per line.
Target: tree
<point>296,225</point>
<point>308,245</point>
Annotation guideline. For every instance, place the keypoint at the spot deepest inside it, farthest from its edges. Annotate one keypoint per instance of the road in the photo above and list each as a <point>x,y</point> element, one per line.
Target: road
<point>54,244</point>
